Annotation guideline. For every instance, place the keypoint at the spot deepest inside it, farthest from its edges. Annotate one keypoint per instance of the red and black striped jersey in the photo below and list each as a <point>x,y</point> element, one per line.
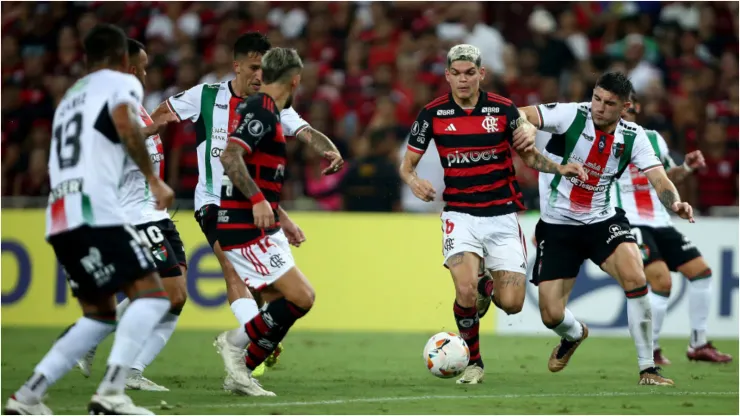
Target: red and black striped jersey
<point>475,150</point>
<point>261,135</point>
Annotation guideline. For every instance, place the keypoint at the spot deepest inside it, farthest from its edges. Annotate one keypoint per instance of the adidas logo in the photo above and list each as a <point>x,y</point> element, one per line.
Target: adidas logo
<point>451,127</point>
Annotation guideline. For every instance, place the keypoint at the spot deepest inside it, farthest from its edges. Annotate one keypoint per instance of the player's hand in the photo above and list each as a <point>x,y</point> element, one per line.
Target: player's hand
<point>293,232</point>
<point>573,169</point>
<point>264,217</point>
<point>524,135</point>
<point>158,125</point>
<point>695,160</point>
<point>423,189</point>
<point>163,194</point>
<point>683,210</point>
<point>336,163</point>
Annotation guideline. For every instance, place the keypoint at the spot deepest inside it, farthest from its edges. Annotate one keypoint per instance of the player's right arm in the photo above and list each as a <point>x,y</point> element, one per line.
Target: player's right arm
<point>419,139</point>
<point>553,118</point>
<point>124,104</point>
<point>243,141</point>
<point>181,106</point>
<point>678,174</point>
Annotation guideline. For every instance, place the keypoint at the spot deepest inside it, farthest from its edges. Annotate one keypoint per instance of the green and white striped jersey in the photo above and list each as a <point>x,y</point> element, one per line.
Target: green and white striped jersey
<point>604,157</point>
<point>212,107</point>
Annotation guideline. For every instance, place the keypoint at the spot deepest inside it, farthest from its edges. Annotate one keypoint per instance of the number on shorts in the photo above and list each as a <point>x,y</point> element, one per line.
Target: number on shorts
<point>638,235</point>
<point>152,234</point>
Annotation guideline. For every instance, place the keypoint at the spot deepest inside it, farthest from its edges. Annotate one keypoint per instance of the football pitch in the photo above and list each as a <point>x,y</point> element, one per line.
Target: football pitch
<point>379,373</point>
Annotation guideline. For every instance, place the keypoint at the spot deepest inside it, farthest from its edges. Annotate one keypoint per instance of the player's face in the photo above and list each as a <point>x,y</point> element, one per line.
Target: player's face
<point>464,78</point>
<point>248,70</point>
<point>606,107</point>
<point>138,66</point>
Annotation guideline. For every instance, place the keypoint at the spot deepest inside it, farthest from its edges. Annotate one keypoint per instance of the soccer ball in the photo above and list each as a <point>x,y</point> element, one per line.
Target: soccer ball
<point>446,354</point>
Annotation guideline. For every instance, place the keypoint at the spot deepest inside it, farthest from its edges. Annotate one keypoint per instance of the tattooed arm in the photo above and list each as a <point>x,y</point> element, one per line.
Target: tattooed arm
<point>667,193</point>
<point>133,139</point>
<point>537,161</point>
<point>232,159</point>
<point>324,146</point>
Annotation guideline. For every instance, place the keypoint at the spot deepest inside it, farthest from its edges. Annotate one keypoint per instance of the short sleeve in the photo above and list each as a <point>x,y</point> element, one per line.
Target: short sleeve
<point>292,122</point>
<point>129,91</point>
<point>186,104</point>
<point>255,124</point>
<point>420,134</point>
<point>512,115</point>
<point>556,118</point>
<point>665,152</point>
<point>643,155</point>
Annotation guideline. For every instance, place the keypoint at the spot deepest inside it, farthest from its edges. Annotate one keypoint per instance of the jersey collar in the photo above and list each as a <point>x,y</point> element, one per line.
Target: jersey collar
<point>478,105</point>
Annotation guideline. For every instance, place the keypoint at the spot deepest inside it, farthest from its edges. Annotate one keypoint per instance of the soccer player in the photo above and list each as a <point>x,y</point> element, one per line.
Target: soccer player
<point>474,132</point>
<point>254,231</point>
<point>156,227</point>
<point>578,221</point>
<point>212,107</point>
<point>95,128</point>
<point>664,249</point>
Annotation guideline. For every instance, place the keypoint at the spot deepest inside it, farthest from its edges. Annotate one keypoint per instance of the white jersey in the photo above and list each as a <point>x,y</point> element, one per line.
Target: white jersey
<point>137,200</point>
<point>212,107</point>
<point>87,157</point>
<point>637,197</point>
<point>603,156</point>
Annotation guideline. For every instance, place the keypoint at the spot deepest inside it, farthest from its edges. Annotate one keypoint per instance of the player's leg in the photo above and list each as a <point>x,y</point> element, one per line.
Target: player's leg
<point>659,278</point>
<point>558,260</point>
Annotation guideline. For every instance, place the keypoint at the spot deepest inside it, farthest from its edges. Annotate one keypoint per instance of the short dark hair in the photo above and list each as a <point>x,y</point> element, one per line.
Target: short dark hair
<point>134,47</point>
<point>616,83</point>
<point>251,42</point>
<point>105,42</point>
<point>634,97</point>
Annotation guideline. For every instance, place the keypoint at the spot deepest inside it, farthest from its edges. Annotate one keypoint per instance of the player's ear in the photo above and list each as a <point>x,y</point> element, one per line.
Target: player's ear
<point>482,73</point>
<point>235,65</point>
<point>447,74</point>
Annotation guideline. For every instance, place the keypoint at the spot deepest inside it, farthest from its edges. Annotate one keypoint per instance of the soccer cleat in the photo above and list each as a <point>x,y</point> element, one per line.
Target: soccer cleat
<point>15,407</point>
<point>483,301</point>
<point>563,351</point>
<point>259,371</point>
<point>707,353</point>
<point>251,388</point>
<point>85,363</point>
<point>652,377</point>
<point>473,374</point>
<point>115,404</point>
<point>272,360</point>
<point>233,357</point>
<point>136,381</point>
<point>659,358</point>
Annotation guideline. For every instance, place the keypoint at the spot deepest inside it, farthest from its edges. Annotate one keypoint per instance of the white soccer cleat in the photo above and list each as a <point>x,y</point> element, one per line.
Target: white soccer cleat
<point>472,375</point>
<point>233,357</point>
<point>252,388</point>
<point>136,381</point>
<point>118,404</point>
<point>15,407</point>
<point>85,363</point>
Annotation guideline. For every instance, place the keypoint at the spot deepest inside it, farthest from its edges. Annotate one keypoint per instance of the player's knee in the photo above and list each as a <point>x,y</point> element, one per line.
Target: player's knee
<point>304,298</point>
<point>509,302</point>
<point>633,279</point>
<point>662,283</point>
<point>551,314</point>
<point>466,294</point>
<point>178,299</point>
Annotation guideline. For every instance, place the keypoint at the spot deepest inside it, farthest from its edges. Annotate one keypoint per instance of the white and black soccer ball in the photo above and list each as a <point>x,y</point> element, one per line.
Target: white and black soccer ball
<point>446,354</point>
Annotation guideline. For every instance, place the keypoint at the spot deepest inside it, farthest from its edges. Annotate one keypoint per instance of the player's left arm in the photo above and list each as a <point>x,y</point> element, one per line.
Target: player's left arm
<point>644,157</point>
<point>291,230</point>
<point>294,125</point>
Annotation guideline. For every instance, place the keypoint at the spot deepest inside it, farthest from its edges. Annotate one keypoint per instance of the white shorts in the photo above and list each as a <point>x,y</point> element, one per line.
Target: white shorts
<point>498,240</point>
<point>263,262</point>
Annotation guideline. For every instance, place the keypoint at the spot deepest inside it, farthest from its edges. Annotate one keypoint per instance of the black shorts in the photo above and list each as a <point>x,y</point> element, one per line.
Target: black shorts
<point>562,249</point>
<point>207,218</point>
<point>666,244</point>
<point>167,248</point>
<point>99,261</point>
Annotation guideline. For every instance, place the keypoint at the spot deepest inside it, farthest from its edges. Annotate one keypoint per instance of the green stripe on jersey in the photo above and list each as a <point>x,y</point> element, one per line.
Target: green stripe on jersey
<point>619,195</point>
<point>87,212</point>
<point>204,127</point>
<point>571,139</point>
<point>653,137</point>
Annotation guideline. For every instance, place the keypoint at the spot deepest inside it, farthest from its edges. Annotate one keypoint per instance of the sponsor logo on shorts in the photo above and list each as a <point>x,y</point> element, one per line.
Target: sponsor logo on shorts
<point>276,261</point>
<point>617,231</point>
<point>93,265</point>
<point>449,244</point>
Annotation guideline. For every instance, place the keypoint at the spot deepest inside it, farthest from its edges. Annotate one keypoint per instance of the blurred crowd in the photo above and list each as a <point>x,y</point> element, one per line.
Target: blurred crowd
<point>370,67</point>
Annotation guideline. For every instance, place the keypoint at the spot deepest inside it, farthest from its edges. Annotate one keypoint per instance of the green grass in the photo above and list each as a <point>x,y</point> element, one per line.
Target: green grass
<point>347,373</point>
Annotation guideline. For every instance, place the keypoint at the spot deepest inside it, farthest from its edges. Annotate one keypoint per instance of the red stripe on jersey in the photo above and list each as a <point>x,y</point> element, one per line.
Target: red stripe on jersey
<point>415,150</point>
<point>266,160</point>
<point>580,198</point>
<point>477,170</point>
<point>643,200</point>
<point>438,101</point>
<point>241,143</point>
<point>485,204</point>
<point>58,216</point>
<point>499,99</point>
<point>468,125</point>
<point>269,186</point>
<point>444,151</point>
<point>242,205</point>
<point>233,115</point>
<point>147,119</point>
<point>239,226</point>
<point>479,188</point>
<point>513,191</point>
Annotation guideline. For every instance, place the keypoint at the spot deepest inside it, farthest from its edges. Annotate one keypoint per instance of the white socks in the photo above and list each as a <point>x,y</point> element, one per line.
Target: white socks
<point>640,321</point>
<point>244,310</point>
<point>569,329</point>
<point>134,330</point>
<point>154,345</point>
<point>659,304</point>
<point>699,300</point>
<point>85,334</point>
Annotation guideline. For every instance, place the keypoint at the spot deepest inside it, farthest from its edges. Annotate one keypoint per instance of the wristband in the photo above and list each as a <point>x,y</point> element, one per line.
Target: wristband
<point>687,168</point>
<point>257,198</point>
